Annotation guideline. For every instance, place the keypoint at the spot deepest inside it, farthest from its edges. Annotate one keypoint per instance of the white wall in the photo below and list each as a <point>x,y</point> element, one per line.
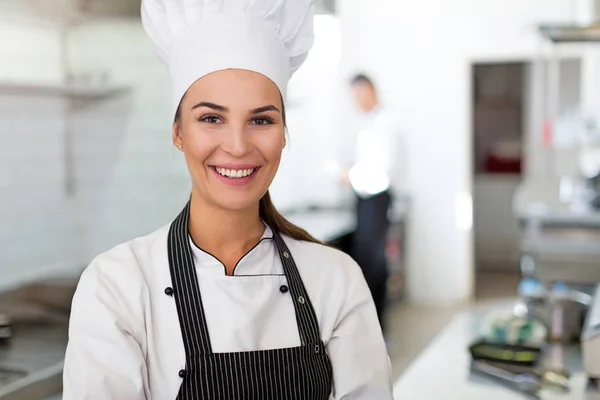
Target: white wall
<point>313,133</point>
<point>38,231</point>
<point>131,180</point>
<point>420,53</point>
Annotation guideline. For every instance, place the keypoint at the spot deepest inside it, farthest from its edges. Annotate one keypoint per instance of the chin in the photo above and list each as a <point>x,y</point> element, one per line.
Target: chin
<point>236,204</point>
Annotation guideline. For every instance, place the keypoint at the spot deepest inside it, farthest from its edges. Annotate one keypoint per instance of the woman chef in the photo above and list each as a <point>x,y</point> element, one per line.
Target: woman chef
<point>229,301</point>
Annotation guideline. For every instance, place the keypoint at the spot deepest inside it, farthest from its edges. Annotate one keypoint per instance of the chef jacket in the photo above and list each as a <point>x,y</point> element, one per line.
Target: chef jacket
<point>125,340</point>
<point>379,158</point>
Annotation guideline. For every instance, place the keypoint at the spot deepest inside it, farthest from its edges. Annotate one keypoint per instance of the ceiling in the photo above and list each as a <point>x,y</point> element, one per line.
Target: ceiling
<point>74,10</point>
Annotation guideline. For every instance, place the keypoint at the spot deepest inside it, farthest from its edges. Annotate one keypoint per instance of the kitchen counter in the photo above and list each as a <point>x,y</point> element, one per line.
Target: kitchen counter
<point>562,240</point>
<point>31,364</point>
<point>325,224</point>
<point>442,371</point>
<point>540,199</point>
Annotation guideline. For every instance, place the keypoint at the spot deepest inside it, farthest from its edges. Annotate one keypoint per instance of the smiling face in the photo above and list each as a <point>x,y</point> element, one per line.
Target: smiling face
<point>232,131</point>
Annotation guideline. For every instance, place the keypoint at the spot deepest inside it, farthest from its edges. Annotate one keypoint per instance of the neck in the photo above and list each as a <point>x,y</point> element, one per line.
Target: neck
<point>227,235</point>
<point>374,105</point>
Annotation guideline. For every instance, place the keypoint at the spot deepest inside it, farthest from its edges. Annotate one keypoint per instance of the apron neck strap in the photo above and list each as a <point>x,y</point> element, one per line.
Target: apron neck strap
<point>186,289</point>
<point>188,299</point>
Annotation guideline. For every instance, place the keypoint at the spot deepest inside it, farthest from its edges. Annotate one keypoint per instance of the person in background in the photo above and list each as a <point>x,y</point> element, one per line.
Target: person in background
<point>373,176</point>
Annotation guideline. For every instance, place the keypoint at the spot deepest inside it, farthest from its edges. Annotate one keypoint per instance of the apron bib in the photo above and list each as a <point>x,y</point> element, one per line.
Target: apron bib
<point>297,373</point>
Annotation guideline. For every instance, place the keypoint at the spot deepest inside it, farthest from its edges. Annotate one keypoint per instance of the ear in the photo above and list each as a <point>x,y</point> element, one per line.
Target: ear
<point>176,136</point>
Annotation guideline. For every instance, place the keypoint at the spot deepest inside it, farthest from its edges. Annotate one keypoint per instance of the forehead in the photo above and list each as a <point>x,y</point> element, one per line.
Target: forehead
<point>362,86</point>
<point>235,88</point>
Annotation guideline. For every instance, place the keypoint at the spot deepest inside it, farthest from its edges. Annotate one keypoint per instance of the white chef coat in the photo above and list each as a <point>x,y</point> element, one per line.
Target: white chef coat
<point>379,158</point>
<point>125,340</point>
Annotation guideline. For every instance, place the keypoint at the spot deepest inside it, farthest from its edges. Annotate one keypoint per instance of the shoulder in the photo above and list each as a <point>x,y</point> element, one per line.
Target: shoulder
<point>131,257</point>
<point>333,280</point>
<point>123,272</point>
<point>386,119</point>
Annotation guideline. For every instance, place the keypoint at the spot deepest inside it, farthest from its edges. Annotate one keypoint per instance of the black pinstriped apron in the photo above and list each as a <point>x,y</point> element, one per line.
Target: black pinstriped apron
<point>299,373</point>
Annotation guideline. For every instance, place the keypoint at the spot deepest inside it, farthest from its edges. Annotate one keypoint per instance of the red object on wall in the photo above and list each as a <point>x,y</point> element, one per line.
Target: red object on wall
<point>547,134</point>
<point>498,165</point>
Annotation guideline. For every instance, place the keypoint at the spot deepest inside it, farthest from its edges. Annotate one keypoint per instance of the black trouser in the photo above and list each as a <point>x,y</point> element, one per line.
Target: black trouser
<point>369,246</point>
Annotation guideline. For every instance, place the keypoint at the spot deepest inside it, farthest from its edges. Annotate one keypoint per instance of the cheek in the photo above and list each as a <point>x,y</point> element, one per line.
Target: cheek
<point>273,148</point>
<point>199,145</point>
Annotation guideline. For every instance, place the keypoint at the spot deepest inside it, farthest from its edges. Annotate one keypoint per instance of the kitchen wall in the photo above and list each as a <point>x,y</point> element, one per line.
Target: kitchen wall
<point>38,231</point>
<point>421,53</point>
<point>314,136</point>
<point>137,181</point>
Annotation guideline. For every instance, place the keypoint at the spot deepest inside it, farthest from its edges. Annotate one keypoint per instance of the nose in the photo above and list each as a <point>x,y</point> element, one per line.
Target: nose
<point>236,142</point>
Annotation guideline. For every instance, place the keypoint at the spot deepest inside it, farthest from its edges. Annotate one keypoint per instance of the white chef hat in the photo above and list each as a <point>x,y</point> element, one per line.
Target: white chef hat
<point>198,37</point>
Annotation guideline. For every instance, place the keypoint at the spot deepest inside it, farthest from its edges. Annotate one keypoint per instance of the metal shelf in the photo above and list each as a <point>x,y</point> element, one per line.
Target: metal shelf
<point>571,33</point>
<point>76,92</point>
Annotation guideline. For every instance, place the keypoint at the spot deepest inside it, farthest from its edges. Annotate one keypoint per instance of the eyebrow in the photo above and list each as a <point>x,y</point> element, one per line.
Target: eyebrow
<point>264,109</point>
<point>214,106</point>
<point>220,108</point>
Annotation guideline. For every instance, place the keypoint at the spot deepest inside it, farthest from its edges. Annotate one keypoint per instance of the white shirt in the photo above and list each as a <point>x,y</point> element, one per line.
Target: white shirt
<point>125,340</point>
<point>379,157</point>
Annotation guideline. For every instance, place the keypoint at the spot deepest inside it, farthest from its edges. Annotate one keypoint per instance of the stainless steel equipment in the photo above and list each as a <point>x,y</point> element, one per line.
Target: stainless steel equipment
<point>559,243</point>
<point>590,339</point>
<point>525,382</point>
<point>5,329</point>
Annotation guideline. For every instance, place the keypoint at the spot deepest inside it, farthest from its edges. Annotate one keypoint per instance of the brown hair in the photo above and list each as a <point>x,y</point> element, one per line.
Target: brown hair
<point>279,223</point>
<point>267,211</point>
<point>362,79</point>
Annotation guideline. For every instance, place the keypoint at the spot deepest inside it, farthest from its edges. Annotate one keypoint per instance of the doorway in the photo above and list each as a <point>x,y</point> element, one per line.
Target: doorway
<point>499,121</point>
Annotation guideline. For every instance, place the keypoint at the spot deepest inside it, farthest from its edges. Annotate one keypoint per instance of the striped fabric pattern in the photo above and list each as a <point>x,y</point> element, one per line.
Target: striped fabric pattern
<point>299,373</point>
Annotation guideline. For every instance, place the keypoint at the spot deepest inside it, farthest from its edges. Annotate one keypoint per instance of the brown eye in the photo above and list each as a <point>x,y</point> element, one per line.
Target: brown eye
<point>262,121</point>
<point>211,119</point>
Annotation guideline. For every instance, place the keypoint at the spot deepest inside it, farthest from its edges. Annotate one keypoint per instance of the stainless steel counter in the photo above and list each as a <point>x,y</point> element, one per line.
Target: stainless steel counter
<point>561,240</point>
<point>328,224</point>
<point>32,362</point>
<point>325,225</point>
<point>442,371</point>
<point>540,199</point>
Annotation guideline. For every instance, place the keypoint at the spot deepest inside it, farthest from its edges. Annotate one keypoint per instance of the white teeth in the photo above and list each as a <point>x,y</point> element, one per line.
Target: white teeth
<point>240,173</point>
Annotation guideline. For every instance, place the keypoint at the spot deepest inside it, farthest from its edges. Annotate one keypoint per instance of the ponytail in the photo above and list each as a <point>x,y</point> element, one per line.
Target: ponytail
<point>279,223</point>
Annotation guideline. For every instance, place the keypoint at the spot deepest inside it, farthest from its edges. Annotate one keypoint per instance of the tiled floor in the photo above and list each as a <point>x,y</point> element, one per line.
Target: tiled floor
<point>411,328</point>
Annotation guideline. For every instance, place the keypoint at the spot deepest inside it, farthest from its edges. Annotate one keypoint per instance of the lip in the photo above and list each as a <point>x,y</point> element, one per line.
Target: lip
<point>235,181</point>
<point>235,166</point>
